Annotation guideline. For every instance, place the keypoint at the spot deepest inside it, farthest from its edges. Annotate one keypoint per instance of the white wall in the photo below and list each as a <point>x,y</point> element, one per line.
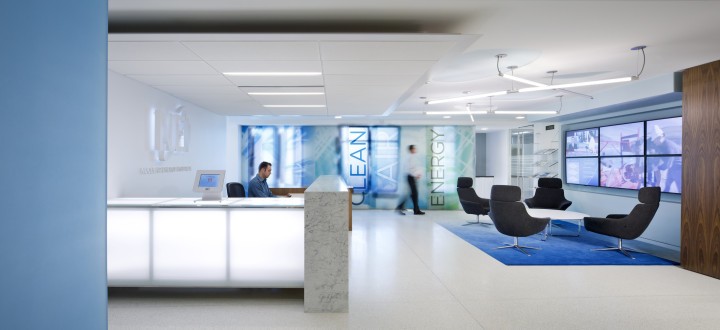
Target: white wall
<point>232,149</point>
<point>129,108</point>
<point>498,156</point>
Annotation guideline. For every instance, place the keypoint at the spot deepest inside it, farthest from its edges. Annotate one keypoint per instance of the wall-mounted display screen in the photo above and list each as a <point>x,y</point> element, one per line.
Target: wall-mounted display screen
<point>665,172</point>
<point>622,140</point>
<point>664,136</point>
<point>627,156</point>
<point>581,143</point>
<point>622,172</point>
<point>582,171</point>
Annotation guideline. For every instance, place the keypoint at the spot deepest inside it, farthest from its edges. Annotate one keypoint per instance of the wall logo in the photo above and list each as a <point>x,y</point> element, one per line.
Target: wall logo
<point>169,132</point>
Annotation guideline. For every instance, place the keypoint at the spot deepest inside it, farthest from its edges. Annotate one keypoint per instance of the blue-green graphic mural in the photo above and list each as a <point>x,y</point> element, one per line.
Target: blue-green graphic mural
<point>370,158</point>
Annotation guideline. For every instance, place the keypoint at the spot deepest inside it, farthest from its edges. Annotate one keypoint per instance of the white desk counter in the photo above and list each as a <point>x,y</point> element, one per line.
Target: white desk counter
<point>237,242</point>
<point>280,202</point>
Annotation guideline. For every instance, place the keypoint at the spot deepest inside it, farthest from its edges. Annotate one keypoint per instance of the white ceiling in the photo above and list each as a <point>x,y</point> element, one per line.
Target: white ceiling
<point>371,76</point>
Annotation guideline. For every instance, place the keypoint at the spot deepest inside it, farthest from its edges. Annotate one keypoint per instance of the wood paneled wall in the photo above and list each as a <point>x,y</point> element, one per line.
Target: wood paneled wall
<point>700,209</point>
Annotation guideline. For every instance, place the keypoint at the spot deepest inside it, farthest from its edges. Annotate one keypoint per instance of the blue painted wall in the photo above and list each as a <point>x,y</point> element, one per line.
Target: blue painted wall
<point>53,76</point>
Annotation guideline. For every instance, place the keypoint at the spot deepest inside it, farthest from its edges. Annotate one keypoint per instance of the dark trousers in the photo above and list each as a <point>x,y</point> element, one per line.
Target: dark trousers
<point>413,195</point>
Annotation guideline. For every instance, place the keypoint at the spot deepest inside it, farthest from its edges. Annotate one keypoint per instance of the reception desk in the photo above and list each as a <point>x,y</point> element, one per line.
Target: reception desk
<point>182,242</point>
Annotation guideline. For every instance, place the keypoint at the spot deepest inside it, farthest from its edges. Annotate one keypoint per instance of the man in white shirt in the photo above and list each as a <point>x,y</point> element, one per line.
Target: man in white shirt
<point>414,172</point>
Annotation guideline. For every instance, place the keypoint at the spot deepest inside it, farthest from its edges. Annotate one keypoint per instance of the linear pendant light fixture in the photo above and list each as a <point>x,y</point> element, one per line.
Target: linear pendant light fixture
<point>578,84</point>
<point>465,98</point>
<point>294,105</point>
<point>272,74</point>
<point>458,112</point>
<point>285,93</point>
<point>542,87</point>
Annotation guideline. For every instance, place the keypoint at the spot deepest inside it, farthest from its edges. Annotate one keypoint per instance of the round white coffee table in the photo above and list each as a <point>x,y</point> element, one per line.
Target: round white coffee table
<point>557,215</point>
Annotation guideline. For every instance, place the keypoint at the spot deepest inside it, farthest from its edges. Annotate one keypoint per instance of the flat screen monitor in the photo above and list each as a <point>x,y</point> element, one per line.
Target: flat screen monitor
<point>665,172</point>
<point>622,172</point>
<point>622,140</point>
<point>583,171</point>
<point>210,183</point>
<point>581,143</point>
<point>664,136</point>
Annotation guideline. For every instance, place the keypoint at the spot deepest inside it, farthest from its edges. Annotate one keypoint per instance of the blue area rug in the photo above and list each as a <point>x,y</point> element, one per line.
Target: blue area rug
<point>556,250</point>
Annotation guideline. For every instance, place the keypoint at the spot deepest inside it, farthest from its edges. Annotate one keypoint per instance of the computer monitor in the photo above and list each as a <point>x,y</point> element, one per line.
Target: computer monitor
<point>210,183</point>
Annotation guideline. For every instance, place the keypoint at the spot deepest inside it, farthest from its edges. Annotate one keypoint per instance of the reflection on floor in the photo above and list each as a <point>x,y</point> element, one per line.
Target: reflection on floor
<point>408,272</point>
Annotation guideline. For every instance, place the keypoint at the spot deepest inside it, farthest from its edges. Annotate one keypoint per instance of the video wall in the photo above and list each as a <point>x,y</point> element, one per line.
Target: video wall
<point>627,156</point>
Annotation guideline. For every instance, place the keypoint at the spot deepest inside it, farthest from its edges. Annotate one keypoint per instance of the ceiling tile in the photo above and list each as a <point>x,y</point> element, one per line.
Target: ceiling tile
<point>183,80</point>
<point>160,67</point>
<point>377,67</point>
<point>344,100</point>
<point>277,81</point>
<point>289,99</point>
<point>370,80</point>
<point>300,111</point>
<point>149,51</point>
<point>267,66</point>
<point>393,51</point>
<point>256,51</point>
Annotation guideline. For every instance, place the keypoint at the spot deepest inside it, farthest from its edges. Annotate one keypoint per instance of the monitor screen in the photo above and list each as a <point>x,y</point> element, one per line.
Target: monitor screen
<point>622,140</point>
<point>622,172</point>
<point>581,143</point>
<point>582,171</point>
<point>664,136</point>
<point>209,181</point>
<point>665,172</point>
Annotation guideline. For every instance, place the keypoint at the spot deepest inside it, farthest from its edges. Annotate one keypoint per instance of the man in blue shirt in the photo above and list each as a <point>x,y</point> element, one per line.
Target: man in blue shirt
<point>258,185</point>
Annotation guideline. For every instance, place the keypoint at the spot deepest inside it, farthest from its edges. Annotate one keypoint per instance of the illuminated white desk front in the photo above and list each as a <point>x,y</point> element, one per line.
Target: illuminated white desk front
<point>178,242</point>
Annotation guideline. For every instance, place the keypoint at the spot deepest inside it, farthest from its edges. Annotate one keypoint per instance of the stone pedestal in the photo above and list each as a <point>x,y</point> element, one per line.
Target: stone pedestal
<point>326,245</point>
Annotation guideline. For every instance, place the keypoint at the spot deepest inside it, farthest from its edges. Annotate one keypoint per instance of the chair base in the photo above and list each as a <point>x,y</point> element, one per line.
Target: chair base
<point>477,222</point>
<point>620,249</point>
<point>517,246</point>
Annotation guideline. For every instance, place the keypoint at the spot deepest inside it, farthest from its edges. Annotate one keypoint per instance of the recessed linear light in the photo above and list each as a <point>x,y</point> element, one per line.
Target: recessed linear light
<point>338,117</point>
<point>520,117</point>
<point>447,117</point>
<point>272,74</point>
<point>464,112</point>
<point>286,93</point>
<point>294,105</point>
<point>483,128</point>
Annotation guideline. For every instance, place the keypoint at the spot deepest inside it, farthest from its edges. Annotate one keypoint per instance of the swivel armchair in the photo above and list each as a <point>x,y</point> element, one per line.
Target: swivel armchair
<point>511,217</point>
<point>471,202</point>
<point>627,226</point>
<point>235,189</point>
<point>549,195</point>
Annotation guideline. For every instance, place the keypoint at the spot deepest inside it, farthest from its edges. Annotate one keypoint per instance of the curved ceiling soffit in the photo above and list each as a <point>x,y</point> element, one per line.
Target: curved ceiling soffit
<point>479,64</point>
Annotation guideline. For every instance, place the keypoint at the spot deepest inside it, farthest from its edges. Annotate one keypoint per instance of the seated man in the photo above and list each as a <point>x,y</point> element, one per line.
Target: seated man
<point>258,185</point>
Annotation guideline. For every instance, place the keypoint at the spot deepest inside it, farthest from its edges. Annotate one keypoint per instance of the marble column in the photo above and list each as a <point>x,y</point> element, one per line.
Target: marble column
<point>326,245</point>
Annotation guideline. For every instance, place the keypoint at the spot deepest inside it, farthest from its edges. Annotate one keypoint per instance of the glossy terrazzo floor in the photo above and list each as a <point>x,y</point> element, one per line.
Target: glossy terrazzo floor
<point>406,272</point>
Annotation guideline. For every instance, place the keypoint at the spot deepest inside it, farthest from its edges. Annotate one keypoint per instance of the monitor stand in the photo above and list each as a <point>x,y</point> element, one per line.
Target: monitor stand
<point>212,196</point>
